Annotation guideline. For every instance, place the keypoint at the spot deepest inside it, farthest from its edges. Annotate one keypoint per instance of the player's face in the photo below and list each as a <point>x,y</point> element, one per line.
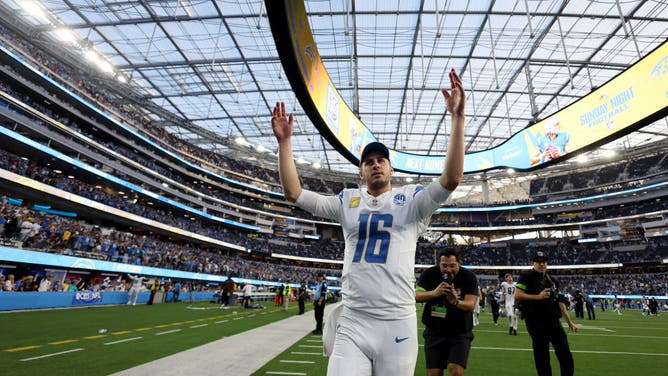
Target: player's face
<point>376,171</point>
<point>449,265</point>
<point>509,278</point>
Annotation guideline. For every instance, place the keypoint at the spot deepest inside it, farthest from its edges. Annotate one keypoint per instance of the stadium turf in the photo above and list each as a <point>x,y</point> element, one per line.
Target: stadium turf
<point>609,345</point>
<point>68,342</point>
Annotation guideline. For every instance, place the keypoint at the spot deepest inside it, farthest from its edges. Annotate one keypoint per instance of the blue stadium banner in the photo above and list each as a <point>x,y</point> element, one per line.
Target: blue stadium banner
<point>87,298</point>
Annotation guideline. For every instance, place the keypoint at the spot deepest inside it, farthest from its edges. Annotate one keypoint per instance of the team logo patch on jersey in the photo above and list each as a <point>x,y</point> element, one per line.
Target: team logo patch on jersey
<point>400,199</point>
<point>354,202</point>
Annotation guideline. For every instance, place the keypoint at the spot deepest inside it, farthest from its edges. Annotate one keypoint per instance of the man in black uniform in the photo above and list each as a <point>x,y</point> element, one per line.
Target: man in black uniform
<point>541,305</point>
<point>493,303</point>
<point>301,297</point>
<point>451,294</point>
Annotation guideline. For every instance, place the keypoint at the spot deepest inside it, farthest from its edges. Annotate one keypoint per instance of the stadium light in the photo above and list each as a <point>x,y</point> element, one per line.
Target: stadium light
<point>581,159</point>
<point>34,10</point>
<point>261,149</point>
<point>241,141</point>
<point>609,153</point>
<point>65,35</point>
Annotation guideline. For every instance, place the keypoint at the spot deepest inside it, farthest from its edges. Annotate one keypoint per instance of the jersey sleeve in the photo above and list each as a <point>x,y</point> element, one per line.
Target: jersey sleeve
<point>427,200</point>
<point>320,205</point>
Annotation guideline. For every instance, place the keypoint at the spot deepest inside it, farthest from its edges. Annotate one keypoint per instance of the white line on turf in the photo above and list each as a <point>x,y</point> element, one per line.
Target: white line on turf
<point>311,346</point>
<point>305,353</point>
<point>198,326</point>
<point>285,373</point>
<point>238,318</point>
<point>168,332</point>
<point>314,340</point>
<point>298,361</point>
<point>221,321</point>
<point>54,354</point>
<point>123,340</point>
<point>575,351</point>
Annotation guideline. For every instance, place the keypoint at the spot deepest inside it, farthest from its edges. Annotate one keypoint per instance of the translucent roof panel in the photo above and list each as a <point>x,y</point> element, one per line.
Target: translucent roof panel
<point>214,64</point>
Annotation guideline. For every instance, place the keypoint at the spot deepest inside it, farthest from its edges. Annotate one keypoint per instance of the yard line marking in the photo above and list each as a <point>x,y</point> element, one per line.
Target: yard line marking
<point>583,326</point>
<point>96,337</point>
<point>314,340</point>
<point>54,354</point>
<point>623,336</point>
<point>297,361</point>
<point>123,340</point>
<point>305,353</point>
<point>167,332</point>
<point>22,348</point>
<point>285,373</point>
<point>221,321</point>
<point>618,353</point>
<point>575,351</point>
<point>198,326</point>
<point>311,346</point>
<point>142,329</point>
<point>161,326</point>
<point>121,332</point>
<point>238,318</point>
<point>63,342</point>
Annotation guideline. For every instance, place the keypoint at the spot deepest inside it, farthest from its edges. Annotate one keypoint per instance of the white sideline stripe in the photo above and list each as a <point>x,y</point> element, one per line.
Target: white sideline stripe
<point>285,373</point>
<point>311,346</point>
<point>298,361</point>
<point>314,340</point>
<point>123,340</point>
<point>54,354</point>
<point>575,351</point>
<point>305,353</point>
<point>198,326</point>
<point>221,321</point>
<point>167,332</point>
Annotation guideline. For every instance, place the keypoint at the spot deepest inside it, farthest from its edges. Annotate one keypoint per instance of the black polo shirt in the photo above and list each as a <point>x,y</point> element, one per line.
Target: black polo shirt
<point>532,283</point>
<point>439,315</point>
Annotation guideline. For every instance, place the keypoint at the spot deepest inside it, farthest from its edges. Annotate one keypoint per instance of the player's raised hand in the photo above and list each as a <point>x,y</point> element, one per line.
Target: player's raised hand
<point>456,98</point>
<point>281,123</point>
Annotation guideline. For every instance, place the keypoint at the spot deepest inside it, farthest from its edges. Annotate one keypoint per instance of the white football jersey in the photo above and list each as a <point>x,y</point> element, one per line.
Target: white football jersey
<point>509,291</point>
<point>381,235</point>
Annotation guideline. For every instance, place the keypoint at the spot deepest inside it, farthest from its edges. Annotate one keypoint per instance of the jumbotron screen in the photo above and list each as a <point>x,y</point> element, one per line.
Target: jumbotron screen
<point>632,99</point>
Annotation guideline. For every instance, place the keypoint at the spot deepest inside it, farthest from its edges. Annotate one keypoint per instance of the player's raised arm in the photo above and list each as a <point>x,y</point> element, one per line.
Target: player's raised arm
<point>281,124</point>
<point>454,159</point>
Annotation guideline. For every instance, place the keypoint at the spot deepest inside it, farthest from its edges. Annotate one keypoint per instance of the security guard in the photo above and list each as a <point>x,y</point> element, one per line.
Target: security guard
<point>541,306</point>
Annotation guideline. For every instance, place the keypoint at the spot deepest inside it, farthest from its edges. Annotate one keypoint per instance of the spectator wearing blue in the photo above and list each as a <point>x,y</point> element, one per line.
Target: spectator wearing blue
<point>177,291</point>
<point>319,302</point>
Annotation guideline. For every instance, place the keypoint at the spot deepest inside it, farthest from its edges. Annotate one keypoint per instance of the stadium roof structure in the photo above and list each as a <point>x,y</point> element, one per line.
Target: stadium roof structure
<point>209,72</point>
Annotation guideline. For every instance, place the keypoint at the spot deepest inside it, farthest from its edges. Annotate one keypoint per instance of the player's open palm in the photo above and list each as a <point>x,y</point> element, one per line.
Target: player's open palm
<point>456,98</point>
<point>281,123</point>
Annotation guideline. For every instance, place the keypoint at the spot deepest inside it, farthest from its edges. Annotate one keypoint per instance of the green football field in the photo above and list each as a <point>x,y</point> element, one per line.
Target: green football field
<point>68,341</point>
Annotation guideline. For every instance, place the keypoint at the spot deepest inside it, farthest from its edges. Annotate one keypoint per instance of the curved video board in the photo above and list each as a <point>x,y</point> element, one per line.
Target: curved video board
<point>632,99</point>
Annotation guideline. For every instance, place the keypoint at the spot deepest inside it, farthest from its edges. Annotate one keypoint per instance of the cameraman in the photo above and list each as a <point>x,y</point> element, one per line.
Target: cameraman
<point>541,306</point>
<point>451,293</point>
